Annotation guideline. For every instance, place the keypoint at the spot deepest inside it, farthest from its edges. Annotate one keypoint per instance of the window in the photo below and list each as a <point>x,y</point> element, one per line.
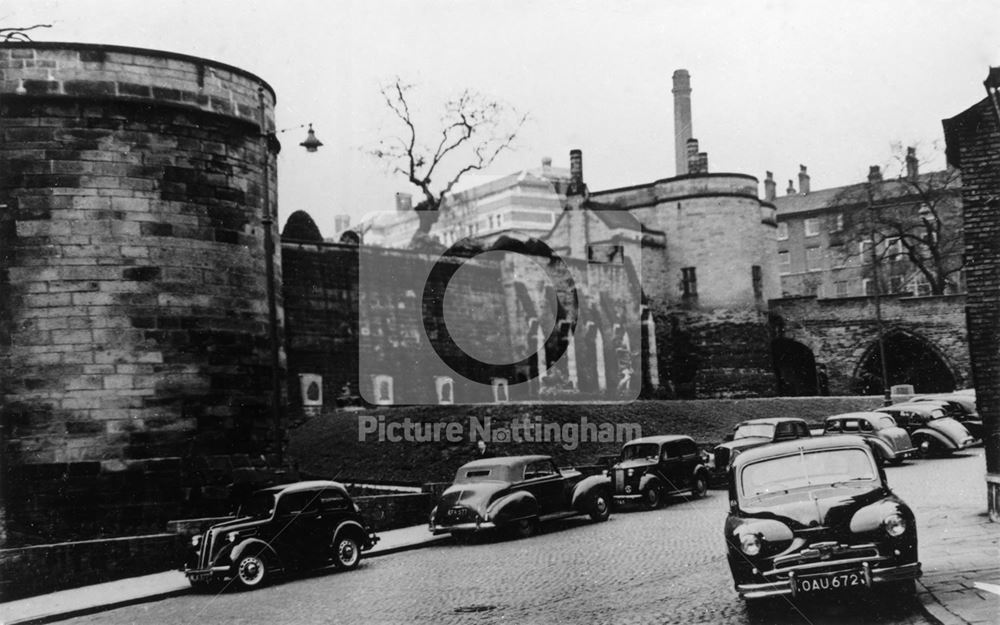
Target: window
<point>782,230</point>
<point>445,388</point>
<point>814,259</point>
<point>867,286</point>
<point>839,256</point>
<point>540,469</point>
<point>757,277</point>
<point>689,282</point>
<point>841,288</point>
<point>812,227</point>
<point>920,286</point>
<point>784,262</point>
<point>837,222</point>
<point>895,284</point>
<point>865,250</point>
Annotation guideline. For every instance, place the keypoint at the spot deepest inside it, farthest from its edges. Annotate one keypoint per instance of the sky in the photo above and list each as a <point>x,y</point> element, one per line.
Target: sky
<point>775,83</point>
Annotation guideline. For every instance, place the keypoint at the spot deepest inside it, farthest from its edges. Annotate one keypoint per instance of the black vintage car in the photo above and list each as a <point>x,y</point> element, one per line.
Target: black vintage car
<point>293,526</point>
<point>750,434</point>
<point>516,493</point>
<point>655,467</point>
<point>815,515</point>
<point>932,431</point>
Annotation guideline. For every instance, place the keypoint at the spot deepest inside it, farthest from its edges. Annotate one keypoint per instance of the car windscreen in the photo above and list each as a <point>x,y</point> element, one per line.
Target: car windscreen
<point>814,468</point>
<point>642,450</point>
<point>749,430</point>
<point>260,504</point>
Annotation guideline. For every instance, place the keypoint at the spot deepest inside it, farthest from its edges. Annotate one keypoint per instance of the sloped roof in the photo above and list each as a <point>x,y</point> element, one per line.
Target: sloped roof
<point>857,193</point>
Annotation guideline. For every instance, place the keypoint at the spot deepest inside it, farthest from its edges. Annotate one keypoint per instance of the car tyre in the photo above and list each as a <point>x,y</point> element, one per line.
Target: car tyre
<point>525,528</point>
<point>924,445</point>
<point>700,487</point>
<point>346,553</point>
<point>652,498</point>
<point>600,507</point>
<point>252,571</point>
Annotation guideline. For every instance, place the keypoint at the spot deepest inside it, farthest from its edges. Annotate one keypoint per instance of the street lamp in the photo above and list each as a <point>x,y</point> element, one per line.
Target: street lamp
<point>272,146</point>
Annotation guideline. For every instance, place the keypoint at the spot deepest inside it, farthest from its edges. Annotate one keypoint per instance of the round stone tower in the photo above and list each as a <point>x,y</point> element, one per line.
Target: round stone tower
<point>139,312</point>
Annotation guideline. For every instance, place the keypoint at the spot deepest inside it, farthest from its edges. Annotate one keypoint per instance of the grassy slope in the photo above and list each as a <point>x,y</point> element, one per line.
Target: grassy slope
<point>330,446</point>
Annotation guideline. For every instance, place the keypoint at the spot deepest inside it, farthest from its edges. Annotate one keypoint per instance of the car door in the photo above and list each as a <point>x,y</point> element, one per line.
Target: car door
<point>672,466</point>
<point>298,530</point>
<point>543,480</point>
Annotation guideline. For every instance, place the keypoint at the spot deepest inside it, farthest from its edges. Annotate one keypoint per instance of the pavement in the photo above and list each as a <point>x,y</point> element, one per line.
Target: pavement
<point>960,552</point>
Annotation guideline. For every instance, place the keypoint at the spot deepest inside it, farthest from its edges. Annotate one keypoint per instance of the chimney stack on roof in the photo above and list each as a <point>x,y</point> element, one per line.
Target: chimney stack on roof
<point>404,202</point>
<point>683,129</point>
<point>791,188</point>
<point>770,187</point>
<point>874,174</point>
<point>803,180</point>
<point>576,185</point>
<point>912,164</point>
<point>691,156</point>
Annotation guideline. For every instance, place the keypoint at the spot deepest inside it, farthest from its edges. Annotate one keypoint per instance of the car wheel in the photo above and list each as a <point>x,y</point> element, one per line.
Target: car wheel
<point>700,486</point>
<point>525,528</point>
<point>251,571</point>
<point>600,507</point>
<point>346,553</point>
<point>925,448</point>
<point>651,497</point>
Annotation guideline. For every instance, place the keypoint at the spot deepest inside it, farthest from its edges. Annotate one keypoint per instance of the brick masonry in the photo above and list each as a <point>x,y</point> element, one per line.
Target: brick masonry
<point>973,145</point>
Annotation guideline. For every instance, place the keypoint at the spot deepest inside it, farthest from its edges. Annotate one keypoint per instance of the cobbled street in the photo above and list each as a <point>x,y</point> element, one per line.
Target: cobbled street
<point>663,566</point>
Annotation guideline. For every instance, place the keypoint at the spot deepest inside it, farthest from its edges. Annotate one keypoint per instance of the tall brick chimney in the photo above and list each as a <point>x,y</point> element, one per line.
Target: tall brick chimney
<point>576,185</point>
<point>770,187</point>
<point>874,174</point>
<point>912,164</point>
<point>803,180</point>
<point>682,119</point>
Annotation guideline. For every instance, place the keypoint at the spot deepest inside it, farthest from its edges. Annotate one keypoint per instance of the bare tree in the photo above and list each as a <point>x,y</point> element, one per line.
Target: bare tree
<point>906,228</point>
<point>473,131</point>
<point>19,33</point>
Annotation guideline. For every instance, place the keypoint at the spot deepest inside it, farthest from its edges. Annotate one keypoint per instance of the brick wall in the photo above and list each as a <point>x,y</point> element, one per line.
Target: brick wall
<point>132,314</point>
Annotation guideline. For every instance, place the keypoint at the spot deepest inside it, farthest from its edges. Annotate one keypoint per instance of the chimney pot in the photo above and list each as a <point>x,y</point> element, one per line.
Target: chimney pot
<point>912,163</point>
<point>770,187</point>
<point>874,174</point>
<point>803,180</point>
<point>404,202</point>
<point>576,185</point>
<point>791,188</point>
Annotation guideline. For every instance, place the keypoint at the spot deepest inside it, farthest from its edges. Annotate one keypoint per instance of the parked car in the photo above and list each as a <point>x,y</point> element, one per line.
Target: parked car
<point>929,427</point>
<point>890,442</point>
<point>961,407</point>
<point>814,515</point>
<point>750,434</point>
<point>655,467</point>
<point>293,526</point>
<point>517,493</point>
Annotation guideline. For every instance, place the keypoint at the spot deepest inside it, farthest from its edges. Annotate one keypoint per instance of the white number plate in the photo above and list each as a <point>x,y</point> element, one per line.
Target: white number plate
<point>833,581</point>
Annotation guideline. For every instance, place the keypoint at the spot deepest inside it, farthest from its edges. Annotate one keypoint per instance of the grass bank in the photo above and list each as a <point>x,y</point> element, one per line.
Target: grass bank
<point>346,445</point>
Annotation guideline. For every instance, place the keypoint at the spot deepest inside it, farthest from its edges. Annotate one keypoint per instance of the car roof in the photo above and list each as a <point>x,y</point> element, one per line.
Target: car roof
<point>307,485</point>
<point>912,406</point>
<point>816,443</point>
<point>504,461</point>
<point>770,420</point>
<point>659,439</point>
<point>868,414</point>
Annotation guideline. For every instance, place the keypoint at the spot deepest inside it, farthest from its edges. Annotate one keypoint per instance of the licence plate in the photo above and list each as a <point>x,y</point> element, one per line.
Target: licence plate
<point>832,581</point>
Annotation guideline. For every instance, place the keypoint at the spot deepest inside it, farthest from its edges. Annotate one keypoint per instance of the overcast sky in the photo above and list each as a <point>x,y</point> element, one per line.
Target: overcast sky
<point>775,83</point>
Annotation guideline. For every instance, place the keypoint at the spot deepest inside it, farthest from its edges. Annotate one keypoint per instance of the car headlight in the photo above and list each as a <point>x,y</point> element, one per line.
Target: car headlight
<point>894,524</point>
<point>631,472</point>
<point>196,540</point>
<point>750,544</point>
<point>232,536</point>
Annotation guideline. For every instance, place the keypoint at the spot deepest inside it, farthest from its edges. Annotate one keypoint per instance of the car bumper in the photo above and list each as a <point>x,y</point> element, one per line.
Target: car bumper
<point>201,575</point>
<point>461,527</point>
<point>871,574</point>
<point>627,498</point>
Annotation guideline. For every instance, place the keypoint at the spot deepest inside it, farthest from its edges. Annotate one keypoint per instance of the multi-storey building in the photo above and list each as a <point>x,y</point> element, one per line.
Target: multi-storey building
<point>833,242</point>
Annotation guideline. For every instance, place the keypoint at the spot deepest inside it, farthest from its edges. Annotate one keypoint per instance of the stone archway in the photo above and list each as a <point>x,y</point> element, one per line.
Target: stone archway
<point>794,368</point>
<point>910,359</point>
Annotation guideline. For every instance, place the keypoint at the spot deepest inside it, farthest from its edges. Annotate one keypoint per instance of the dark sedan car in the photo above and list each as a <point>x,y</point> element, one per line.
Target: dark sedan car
<point>656,467</point>
<point>517,493</point>
<point>890,442</point>
<point>929,427</point>
<point>810,516</point>
<point>959,406</point>
<point>750,434</point>
<point>293,526</point>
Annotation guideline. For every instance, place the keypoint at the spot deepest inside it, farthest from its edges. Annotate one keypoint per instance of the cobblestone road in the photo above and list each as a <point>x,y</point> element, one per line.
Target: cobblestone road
<point>664,566</point>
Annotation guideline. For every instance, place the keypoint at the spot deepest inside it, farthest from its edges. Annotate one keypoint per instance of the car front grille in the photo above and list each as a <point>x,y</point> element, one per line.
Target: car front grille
<point>722,458</point>
<point>620,481</point>
<point>824,555</point>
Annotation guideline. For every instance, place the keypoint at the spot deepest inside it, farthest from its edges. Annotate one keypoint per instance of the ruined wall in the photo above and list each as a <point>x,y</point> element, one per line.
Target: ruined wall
<point>133,314</point>
<point>841,332</point>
